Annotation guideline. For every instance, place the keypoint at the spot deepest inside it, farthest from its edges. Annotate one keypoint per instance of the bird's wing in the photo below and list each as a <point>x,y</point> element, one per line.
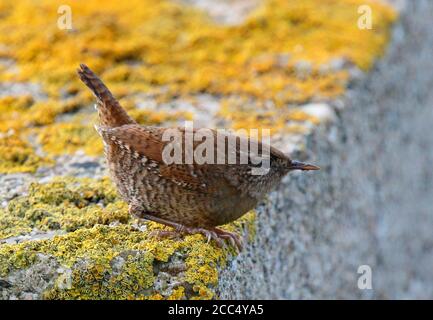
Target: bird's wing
<point>148,142</point>
<point>137,139</point>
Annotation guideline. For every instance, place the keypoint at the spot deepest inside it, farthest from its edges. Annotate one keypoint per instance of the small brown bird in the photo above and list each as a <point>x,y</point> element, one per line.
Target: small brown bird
<point>191,198</point>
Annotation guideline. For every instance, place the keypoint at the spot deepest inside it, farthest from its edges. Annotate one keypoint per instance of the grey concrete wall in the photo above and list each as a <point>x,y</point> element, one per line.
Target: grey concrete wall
<point>371,204</point>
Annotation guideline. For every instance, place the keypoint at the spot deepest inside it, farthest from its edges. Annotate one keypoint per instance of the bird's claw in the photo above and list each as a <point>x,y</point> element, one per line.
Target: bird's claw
<point>218,235</point>
<point>234,238</point>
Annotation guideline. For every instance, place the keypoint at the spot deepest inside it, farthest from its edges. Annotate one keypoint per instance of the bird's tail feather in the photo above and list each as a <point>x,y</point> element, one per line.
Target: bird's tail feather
<point>95,84</point>
<point>112,113</point>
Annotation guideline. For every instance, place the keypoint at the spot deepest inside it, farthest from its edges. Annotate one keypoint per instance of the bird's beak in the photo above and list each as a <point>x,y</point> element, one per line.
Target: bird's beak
<point>296,165</point>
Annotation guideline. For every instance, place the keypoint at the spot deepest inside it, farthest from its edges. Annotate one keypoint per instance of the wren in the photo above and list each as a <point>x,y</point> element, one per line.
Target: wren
<point>189,197</point>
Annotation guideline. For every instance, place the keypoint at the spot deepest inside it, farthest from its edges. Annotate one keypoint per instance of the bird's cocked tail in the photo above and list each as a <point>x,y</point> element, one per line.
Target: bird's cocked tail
<point>111,113</point>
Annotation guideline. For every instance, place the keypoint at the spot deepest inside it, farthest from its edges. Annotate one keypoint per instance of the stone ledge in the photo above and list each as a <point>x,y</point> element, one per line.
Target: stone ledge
<point>305,240</point>
<point>371,204</point>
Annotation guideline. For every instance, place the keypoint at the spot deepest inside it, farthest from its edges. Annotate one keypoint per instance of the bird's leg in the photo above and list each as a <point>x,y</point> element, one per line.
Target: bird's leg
<point>215,234</point>
<point>182,229</point>
<point>143,215</point>
<point>178,228</point>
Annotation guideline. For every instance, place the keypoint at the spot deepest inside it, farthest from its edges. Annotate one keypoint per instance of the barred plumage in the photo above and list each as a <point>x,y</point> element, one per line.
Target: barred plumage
<point>189,197</point>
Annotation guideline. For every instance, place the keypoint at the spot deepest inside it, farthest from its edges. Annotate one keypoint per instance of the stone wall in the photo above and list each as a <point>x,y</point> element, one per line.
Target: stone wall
<point>369,205</point>
<point>372,202</point>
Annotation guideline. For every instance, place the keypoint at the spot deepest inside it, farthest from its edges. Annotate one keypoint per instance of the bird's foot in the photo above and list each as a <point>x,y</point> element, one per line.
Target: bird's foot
<point>180,230</point>
<point>213,234</point>
<point>209,234</point>
<point>233,237</point>
<point>216,234</point>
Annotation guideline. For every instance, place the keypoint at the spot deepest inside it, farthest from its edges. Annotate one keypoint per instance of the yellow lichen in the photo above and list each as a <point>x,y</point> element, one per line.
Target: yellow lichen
<point>87,208</point>
<point>17,155</point>
<point>11,225</point>
<point>64,204</point>
<point>154,117</point>
<point>17,116</point>
<point>245,115</point>
<point>67,138</point>
<point>91,252</point>
<point>178,294</point>
<point>166,49</point>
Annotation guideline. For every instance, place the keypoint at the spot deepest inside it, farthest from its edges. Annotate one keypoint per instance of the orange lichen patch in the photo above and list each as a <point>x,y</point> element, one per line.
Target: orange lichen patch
<point>67,138</point>
<point>18,112</point>
<point>166,49</point>
<point>11,110</point>
<point>20,117</point>
<point>17,155</point>
<point>165,43</point>
<point>155,117</point>
<point>246,114</point>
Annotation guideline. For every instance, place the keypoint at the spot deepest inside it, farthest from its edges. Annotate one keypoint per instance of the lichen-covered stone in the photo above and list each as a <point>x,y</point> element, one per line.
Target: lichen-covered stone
<point>254,77</point>
<point>259,73</point>
<point>370,205</point>
<point>108,254</point>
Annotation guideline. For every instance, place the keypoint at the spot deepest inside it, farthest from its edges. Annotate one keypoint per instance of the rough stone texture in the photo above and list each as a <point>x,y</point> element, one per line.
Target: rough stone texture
<point>368,205</point>
<point>372,202</point>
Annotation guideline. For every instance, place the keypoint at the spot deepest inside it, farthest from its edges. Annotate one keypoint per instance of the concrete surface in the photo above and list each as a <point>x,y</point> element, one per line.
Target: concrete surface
<point>372,203</point>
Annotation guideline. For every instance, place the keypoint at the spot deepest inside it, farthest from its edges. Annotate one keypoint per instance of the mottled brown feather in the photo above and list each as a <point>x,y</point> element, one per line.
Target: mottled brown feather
<point>111,113</point>
<point>193,195</point>
<point>144,140</point>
